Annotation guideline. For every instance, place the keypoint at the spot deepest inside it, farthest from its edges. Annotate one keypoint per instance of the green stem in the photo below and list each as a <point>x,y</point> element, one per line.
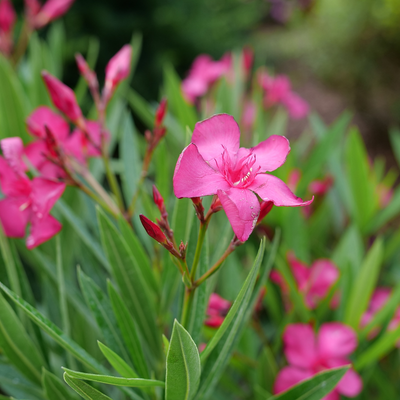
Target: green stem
<point>199,246</point>
<point>187,304</point>
<point>232,246</point>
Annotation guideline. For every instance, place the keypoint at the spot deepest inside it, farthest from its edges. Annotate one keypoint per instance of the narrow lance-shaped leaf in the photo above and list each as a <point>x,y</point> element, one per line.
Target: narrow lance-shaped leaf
<point>84,390</point>
<point>54,388</point>
<point>183,366</point>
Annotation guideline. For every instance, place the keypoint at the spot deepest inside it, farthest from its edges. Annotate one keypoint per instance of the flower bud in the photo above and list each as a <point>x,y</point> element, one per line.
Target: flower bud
<point>86,72</point>
<point>158,199</point>
<point>51,10</point>
<point>160,112</point>
<point>63,98</point>
<point>7,16</point>
<point>153,230</point>
<point>117,69</point>
<point>265,208</point>
<point>198,206</point>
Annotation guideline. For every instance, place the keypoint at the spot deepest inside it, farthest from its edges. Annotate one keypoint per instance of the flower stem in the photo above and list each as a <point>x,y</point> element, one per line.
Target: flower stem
<point>199,246</point>
<point>187,305</point>
<point>232,246</point>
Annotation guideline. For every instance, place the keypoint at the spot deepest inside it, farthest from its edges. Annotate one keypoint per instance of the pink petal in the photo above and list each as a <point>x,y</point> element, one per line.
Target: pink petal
<point>300,271</point>
<point>271,153</point>
<point>36,153</point>
<point>193,177</point>
<point>290,376</point>
<point>336,340</point>
<point>379,298</point>
<point>271,188</point>
<point>13,184</point>
<point>334,395</point>
<point>13,148</point>
<point>300,345</point>
<point>7,16</point>
<point>323,274</point>
<point>193,88</point>
<point>214,321</point>
<point>351,384</point>
<point>45,116</point>
<point>42,229</point>
<point>296,106</point>
<point>14,215</point>
<point>51,10</point>
<point>218,303</point>
<point>242,209</point>
<point>215,134</point>
<point>44,195</point>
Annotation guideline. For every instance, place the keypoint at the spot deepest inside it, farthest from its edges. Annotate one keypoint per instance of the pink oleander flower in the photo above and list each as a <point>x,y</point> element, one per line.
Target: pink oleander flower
<point>216,310</point>
<point>204,72</point>
<point>26,201</point>
<point>63,98</point>
<point>214,163</point>
<point>313,282</point>
<point>308,354</point>
<point>117,70</point>
<point>87,73</point>
<point>7,16</point>
<point>378,300</point>
<point>51,10</point>
<point>321,187</point>
<point>278,91</point>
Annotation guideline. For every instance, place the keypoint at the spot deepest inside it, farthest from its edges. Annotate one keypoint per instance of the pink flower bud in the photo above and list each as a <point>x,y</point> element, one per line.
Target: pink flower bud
<point>248,56</point>
<point>87,73</point>
<point>7,16</point>
<point>117,69</point>
<point>32,7</point>
<point>63,98</point>
<point>51,10</point>
<point>265,208</point>
<point>158,199</point>
<point>153,230</point>
<point>160,112</point>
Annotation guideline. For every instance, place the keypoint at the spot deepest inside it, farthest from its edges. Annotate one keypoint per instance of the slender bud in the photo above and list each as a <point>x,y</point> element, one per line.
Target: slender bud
<point>265,208</point>
<point>198,206</point>
<point>182,250</point>
<point>51,10</point>
<point>63,98</point>
<point>87,73</point>
<point>160,113</point>
<point>216,205</point>
<point>158,200</point>
<point>117,69</point>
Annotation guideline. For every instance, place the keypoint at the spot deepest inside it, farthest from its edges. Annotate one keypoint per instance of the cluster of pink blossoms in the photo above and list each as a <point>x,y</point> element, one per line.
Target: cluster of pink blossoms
<point>54,154</point>
<point>37,16</point>
<point>308,354</point>
<point>215,164</point>
<point>313,282</point>
<point>277,90</point>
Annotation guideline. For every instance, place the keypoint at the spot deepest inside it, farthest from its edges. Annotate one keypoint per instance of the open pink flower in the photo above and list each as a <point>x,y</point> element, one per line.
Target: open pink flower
<point>313,282</point>
<point>26,201</point>
<point>214,163</point>
<point>50,11</point>
<point>216,310</point>
<point>308,354</point>
<point>204,72</point>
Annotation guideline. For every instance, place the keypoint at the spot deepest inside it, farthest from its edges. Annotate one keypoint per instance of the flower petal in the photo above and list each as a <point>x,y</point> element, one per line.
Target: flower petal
<point>300,271</point>
<point>351,384</point>
<point>13,216</point>
<point>193,177</point>
<point>271,153</point>
<point>242,209</point>
<point>336,340</point>
<point>215,134</point>
<point>13,148</point>
<point>42,229</point>
<point>290,376</point>
<point>300,345</point>
<point>44,195</point>
<point>271,188</point>
<point>13,184</point>
<point>45,116</point>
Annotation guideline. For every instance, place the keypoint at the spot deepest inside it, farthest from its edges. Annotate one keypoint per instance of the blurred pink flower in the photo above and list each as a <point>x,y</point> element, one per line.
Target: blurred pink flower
<point>117,70</point>
<point>7,16</point>
<point>26,201</point>
<point>278,91</point>
<point>86,72</point>
<point>308,354</point>
<point>313,282</point>
<point>213,163</point>
<point>217,309</point>
<point>248,58</point>
<point>249,115</point>
<point>294,179</point>
<point>50,11</point>
<point>204,72</point>
<point>321,187</point>
<point>63,98</point>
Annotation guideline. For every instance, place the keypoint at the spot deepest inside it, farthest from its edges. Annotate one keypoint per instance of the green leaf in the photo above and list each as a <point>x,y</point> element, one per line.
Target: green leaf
<point>114,380</point>
<point>129,277</point>
<point>129,331</point>
<point>117,362</point>
<point>364,285</point>
<point>394,136</point>
<point>54,388</point>
<point>84,390</point>
<point>103,313</point>
<point>17,345</point>
<point>314,388</point>
<point>141,108</point>
<point>358,172</point>
<point>82,233</point>
<point>182,219</point>
<point>183,366</point>
<point>54,332</point>
<point>218,351</point>
<point>278,123</point>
